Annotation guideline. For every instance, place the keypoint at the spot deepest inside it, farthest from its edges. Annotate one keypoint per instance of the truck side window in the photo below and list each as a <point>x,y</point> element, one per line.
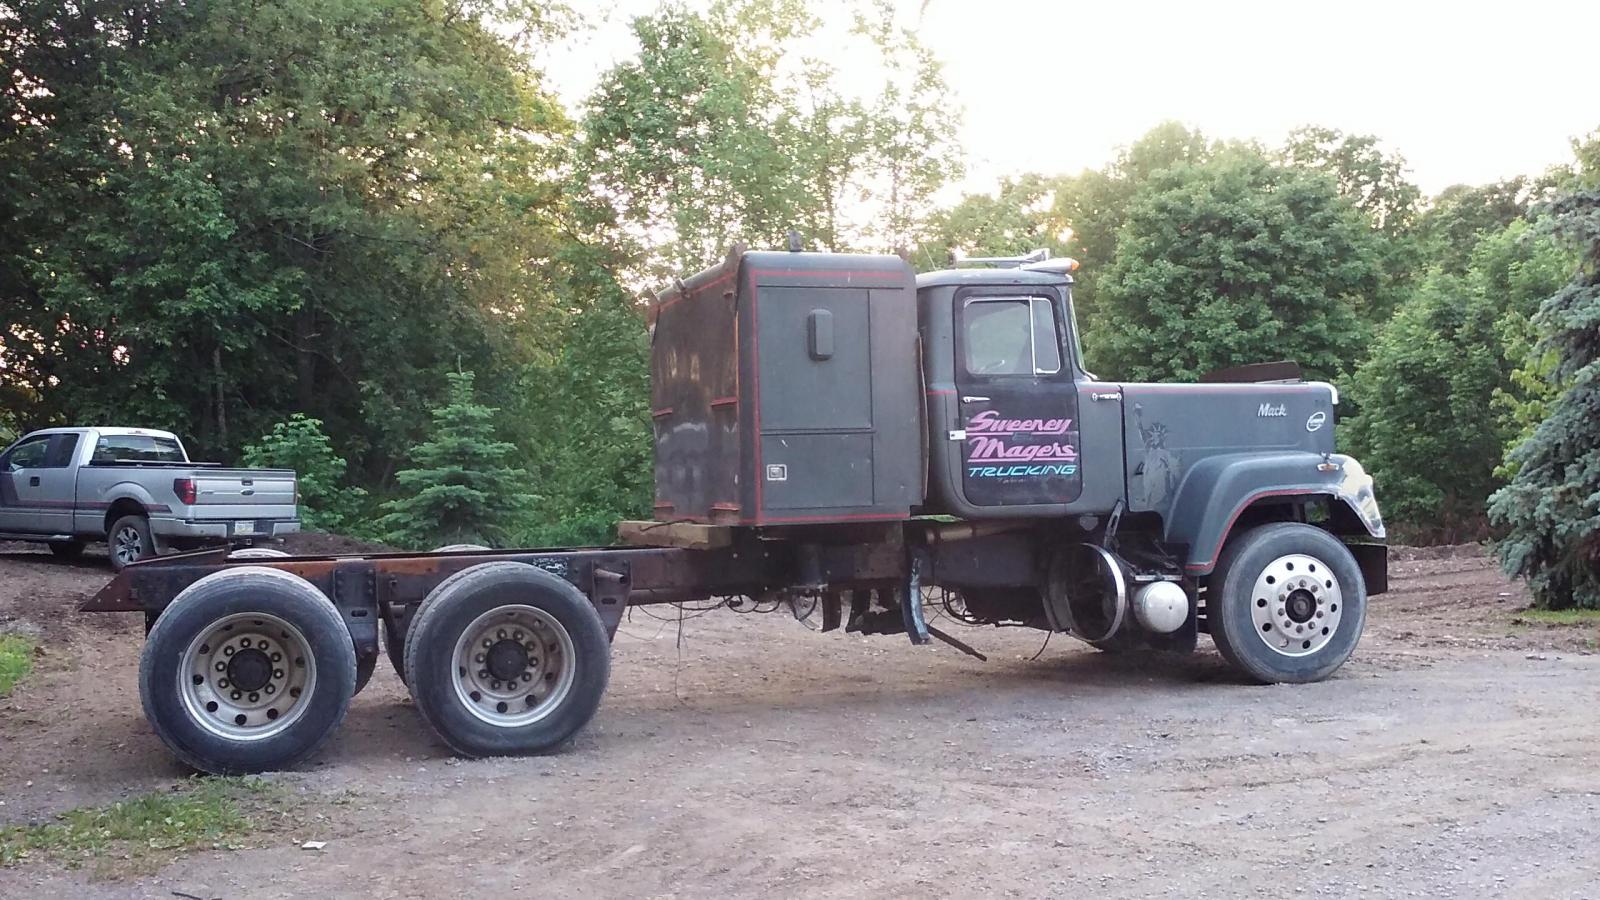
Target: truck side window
<point>29,454</point>
<point>1011,336</point>
<point>59,456</point>
<point>1046,346</point>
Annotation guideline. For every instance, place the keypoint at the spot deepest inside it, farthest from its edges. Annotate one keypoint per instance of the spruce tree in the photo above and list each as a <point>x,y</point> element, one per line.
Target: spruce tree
<point>462,489</point>
<point>1551,508</point>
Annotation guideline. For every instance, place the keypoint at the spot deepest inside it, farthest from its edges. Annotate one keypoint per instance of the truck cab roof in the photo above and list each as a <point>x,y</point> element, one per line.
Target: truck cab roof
<point>991,276</point>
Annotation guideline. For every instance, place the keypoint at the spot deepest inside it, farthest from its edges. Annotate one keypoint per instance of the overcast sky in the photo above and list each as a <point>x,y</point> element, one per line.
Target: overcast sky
<point>1466,91</point>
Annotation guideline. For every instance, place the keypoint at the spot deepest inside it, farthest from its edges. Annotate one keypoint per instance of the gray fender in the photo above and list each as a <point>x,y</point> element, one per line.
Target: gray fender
<point>1218,489</point>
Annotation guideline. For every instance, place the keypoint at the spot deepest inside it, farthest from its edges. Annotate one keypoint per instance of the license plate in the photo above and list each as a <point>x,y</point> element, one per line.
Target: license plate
<point>244,526</point>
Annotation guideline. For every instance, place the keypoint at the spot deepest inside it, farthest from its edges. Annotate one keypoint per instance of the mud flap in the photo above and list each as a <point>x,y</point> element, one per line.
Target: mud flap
<point>911,603</point>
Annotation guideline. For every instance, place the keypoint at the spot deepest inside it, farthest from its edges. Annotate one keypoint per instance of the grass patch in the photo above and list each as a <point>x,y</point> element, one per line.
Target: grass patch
<point>1561,616</point>
<point>203,813</point>
<point>16,661</point>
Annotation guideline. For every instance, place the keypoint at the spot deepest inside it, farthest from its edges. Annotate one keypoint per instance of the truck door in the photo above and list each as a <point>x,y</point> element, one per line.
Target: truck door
<point>36,485</point>
<point>1018,402</point>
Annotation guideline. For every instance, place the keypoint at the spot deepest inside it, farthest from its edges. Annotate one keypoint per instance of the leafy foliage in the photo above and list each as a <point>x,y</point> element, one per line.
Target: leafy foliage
<point>1551,508</point>
<point>229,211</point>
<point>1233,260</point>
<point>1424,430</point>
<point>463,489</point>
<point>695,145</point>
<point>326,503</point>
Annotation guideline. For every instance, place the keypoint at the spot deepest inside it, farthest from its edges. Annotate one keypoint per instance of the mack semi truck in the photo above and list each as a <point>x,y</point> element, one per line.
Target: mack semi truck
<point>840,434</point>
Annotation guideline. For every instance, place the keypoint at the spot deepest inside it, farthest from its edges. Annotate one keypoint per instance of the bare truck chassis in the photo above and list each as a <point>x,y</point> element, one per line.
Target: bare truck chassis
<point>225,717</point>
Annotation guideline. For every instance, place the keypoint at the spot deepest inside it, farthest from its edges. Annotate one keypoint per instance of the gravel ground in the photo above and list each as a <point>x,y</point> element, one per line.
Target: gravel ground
<point>1455,755</point>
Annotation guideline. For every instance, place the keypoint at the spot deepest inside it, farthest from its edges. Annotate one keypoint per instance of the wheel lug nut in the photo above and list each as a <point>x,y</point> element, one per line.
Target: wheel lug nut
<point>222,682</point>
<point>271,689</point>
<point>516,635</point>
<point>235,695</point>
<point>254,697</point>
<point>222,667</point>
<point>483,674</point>
<point>478,658</point>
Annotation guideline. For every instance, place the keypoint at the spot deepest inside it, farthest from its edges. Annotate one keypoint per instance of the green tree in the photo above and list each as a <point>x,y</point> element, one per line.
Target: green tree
<point>1551,508</point>
<point>1425,430</point>
<point>1017,218</point>
<point>1522,266</point>
<point>326,502</point>
<point>221,213</point>
<point>589,440</point>
<point>1229,261</point>
<point>699,142</point>
<point>1375,181</point>
<point>463,487</point>
<point>1461,215</point>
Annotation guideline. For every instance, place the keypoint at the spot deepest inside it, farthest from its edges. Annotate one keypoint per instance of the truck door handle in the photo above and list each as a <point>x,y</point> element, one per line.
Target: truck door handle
<point>1108,395</point>
<point>974,399</point>
<point>34,481</point>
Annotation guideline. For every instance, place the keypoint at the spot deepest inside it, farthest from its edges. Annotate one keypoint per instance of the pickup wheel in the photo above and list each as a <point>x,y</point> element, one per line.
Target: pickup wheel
<point>248,669</point>
<point>67,549</point>
<point>129,541</point>
<point>1286,603</point>
<point>504,658</point>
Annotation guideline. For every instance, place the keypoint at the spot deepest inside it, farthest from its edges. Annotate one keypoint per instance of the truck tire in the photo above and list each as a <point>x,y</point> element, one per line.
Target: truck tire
<point>506,659</point>
<point>1286,603</point>
<point>248,669</point>
<point>129,541</point>
<point>67,549</point>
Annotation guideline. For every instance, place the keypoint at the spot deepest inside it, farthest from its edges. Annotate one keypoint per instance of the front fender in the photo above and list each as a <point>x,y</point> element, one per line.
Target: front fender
<point>1218,489</point>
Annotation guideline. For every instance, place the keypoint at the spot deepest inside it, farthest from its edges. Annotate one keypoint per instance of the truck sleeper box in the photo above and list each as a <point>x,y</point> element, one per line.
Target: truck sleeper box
<point>788,391</point>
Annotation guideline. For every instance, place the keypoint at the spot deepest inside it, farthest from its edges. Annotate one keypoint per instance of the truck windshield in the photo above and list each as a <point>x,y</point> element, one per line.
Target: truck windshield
<point>137,448</point>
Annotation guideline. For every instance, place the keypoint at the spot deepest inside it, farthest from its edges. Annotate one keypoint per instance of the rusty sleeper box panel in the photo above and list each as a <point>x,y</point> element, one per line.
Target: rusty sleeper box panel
<point>785,389</point>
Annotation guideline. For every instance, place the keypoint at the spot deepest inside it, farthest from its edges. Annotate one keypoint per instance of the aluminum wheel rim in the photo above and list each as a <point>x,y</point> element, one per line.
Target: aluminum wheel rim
<point>227,692</point>
<point>514,665</point>
<point>130,546</point>
<point>1296,605</point>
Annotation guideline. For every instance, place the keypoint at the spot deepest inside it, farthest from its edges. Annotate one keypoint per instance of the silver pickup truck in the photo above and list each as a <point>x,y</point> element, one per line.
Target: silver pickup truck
<point>136,489</point>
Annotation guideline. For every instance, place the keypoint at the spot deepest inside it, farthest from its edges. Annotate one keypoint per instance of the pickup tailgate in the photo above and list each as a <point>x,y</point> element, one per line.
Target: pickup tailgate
<point>244,494</point>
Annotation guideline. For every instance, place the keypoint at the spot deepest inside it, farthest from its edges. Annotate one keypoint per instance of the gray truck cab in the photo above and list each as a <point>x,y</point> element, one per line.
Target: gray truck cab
<point>1019,427</point>
<point>794,393</point>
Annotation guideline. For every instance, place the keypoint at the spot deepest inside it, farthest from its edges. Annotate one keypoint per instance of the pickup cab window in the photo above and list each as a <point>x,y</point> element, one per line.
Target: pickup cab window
<point>1011,336</point>
<point>137,448</point>
<point>30,454</point>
